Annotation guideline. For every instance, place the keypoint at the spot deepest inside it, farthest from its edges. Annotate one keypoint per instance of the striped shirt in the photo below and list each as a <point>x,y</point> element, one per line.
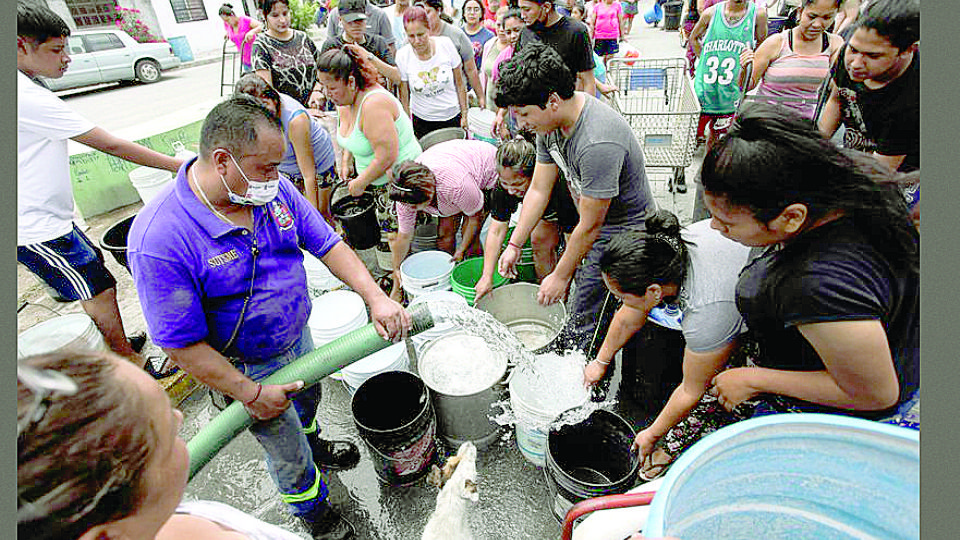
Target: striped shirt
<point>796,77</point>
<point>463,170</point>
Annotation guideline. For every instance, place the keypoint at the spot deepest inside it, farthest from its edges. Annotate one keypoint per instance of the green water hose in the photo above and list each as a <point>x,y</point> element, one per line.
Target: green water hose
<point>310,368</point>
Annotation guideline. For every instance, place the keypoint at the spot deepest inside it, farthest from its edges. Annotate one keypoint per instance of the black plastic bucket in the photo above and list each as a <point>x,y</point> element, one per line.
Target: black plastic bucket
<point>396,421</point>
<point>671,15</point>
<point>357,216</point>
<point>114,240</point>
<point>589,459</point>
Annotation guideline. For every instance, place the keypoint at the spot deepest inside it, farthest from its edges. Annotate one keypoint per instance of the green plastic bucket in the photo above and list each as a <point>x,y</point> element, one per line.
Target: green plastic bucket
<point>466,275</point>
<point>527,272</point>
<point>526,252</point>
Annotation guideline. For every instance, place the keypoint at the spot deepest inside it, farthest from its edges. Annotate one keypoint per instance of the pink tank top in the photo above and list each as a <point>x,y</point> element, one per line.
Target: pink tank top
<point>796,77</point>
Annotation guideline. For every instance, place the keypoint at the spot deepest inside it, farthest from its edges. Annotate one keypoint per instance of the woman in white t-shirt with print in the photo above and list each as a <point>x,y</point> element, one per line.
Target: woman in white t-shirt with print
<point>432,88</point>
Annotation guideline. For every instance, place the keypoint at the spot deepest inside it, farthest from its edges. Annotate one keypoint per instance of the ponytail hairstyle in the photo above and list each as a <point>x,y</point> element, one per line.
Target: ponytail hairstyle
<point>226,10</point>
<point>349,61</point>
<point>635,260</point>
<point>413,183</point>
<point>254,86</point>
<point>772,158</point>
<point>517,154</point>
<point>81,457</point>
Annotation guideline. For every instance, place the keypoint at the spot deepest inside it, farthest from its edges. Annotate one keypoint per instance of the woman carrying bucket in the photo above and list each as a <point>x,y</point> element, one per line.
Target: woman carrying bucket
<point>696,268</point>
<point>515,161</point>
<point>308,160</point>
<point>373,130</point>
<point>452,180</point>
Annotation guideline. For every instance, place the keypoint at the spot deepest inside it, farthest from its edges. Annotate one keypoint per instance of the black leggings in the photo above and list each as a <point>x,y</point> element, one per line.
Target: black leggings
<point>421,127</point>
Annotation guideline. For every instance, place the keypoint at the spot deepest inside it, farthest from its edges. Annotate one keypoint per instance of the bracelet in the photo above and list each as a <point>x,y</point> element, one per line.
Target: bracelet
<point>256,397</point>
<point>510,243</point>
<point>607,363</point>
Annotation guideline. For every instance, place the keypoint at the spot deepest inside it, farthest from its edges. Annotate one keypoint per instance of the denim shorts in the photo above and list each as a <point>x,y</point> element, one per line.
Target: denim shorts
<point>71,265</point>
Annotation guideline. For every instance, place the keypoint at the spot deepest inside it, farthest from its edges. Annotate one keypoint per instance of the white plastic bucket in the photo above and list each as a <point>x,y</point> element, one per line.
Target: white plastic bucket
<point>425,272</point>
<point>149,181</point>
<point>529,393</point>
<point>319,278</point>
<point>392,358</point>
<point>334,314</point>
<point>74,331</point>
<point>481,123</point>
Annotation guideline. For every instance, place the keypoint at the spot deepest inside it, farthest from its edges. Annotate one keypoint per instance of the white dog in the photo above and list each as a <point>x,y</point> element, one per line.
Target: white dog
<point>458,483</point>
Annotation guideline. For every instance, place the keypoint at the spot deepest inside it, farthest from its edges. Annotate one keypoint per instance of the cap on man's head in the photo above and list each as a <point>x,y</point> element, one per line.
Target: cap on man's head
<point>352,10</point>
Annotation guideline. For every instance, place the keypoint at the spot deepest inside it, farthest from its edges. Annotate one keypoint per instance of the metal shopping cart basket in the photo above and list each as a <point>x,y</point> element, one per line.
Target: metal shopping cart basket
<point>656,98</point>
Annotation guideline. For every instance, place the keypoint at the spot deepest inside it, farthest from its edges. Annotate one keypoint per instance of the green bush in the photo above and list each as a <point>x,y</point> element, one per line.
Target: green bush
<point>303,13</point>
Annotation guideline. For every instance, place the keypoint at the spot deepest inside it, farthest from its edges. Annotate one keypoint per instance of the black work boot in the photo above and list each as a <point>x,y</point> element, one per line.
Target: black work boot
<point>334,455</point>
<point>326,523</point>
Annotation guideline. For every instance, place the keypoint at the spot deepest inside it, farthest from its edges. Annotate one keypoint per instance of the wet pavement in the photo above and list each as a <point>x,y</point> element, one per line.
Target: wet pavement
<point>514,499</point>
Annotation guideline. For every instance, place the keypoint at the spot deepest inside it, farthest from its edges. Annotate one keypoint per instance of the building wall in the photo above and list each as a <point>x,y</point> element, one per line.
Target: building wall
<point>60,8</point>
<point>205,37</point>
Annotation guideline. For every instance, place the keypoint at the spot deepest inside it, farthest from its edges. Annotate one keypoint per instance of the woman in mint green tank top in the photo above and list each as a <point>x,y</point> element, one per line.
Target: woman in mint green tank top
<point>373,130</point>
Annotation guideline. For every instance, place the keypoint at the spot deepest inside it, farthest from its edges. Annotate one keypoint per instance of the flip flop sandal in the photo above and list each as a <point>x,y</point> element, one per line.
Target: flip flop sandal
<point>654,466</point>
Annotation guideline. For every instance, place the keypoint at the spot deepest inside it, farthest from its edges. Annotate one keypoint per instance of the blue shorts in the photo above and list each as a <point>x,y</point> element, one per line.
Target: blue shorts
<point>629,8</point>
<point>71,264</point>
<point>604,47</point>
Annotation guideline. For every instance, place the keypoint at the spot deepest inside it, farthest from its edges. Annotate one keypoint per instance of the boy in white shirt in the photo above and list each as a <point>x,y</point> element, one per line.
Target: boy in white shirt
<point>48,243</point>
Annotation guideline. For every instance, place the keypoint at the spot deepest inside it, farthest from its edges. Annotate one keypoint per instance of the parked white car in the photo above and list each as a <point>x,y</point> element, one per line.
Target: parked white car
<point>109,55</point>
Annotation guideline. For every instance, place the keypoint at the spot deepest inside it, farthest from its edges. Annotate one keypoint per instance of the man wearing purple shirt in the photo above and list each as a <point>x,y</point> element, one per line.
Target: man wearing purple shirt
<point>218,267</point>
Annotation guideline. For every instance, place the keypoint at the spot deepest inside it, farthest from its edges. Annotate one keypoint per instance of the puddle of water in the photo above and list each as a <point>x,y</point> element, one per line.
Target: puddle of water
<point>515,501</point>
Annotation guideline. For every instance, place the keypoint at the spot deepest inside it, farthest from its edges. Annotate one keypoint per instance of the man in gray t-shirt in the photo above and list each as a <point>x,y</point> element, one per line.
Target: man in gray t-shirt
<point>602,162</point>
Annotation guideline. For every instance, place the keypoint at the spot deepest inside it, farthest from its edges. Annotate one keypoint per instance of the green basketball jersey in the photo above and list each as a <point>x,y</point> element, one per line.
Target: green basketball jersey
<point>718,68</point>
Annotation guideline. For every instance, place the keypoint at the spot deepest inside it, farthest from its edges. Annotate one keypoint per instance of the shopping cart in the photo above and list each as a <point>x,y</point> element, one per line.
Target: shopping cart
<point>656,98</point>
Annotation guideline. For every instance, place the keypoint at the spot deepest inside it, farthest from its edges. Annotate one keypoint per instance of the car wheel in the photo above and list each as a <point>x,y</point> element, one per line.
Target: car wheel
<point>147,71</point>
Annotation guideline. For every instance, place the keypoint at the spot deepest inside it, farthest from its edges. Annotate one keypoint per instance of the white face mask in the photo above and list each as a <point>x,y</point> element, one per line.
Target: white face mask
<point>258,193</point>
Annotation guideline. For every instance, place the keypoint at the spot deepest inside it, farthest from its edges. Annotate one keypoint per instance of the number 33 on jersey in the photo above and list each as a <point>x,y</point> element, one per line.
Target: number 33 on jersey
<point>718,67</point>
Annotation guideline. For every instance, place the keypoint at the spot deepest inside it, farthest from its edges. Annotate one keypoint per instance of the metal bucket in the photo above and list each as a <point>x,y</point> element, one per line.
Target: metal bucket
<point>516,306</point>
<point>463,375</point>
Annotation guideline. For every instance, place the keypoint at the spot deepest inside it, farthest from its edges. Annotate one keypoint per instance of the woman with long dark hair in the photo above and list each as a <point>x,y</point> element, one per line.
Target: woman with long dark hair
<point>696,268</point>
<point>286,58</point>
<point>833,300</point>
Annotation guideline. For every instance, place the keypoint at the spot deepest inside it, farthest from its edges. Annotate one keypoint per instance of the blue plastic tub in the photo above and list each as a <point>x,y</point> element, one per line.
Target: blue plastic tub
<point>793,476</point>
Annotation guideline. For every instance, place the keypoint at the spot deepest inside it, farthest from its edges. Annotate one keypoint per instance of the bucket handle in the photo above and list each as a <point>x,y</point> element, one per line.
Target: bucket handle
<point>621,500</point>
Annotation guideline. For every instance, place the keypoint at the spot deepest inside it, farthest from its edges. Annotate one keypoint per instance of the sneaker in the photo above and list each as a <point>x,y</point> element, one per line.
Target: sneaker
<point>328,524</point>
<point>334,455</point>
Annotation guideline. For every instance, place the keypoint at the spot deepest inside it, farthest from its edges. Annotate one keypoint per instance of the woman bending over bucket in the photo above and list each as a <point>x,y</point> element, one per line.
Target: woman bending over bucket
<point>515,161</point>
<point>451,180</point>
<point>696,268</point>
